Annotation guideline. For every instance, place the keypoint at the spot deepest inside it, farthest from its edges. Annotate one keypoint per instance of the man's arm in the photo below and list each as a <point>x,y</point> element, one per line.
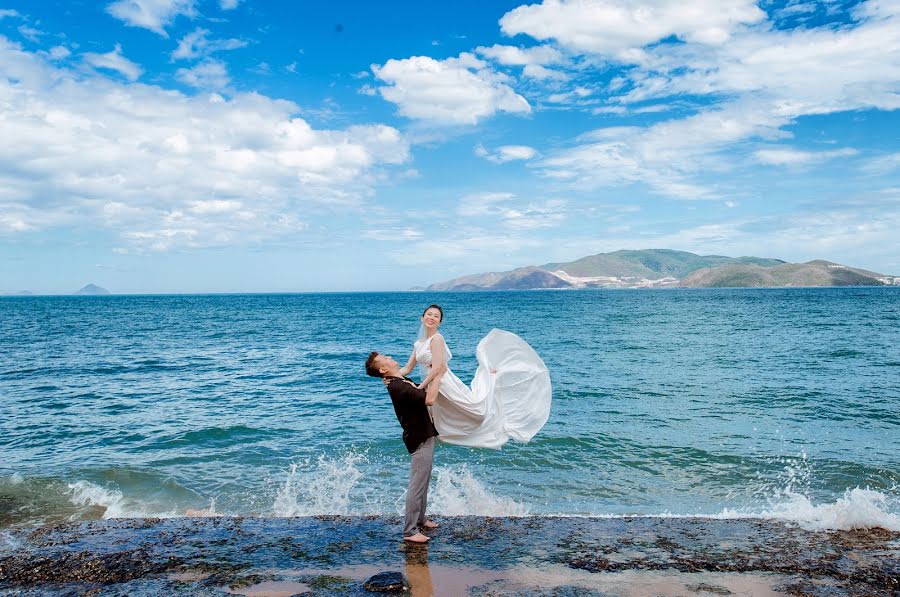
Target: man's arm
<point>405,391</point>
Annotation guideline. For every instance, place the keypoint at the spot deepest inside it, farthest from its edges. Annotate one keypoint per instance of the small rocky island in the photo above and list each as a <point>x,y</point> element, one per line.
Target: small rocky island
<point>665,268</point>
<point>92,290</point>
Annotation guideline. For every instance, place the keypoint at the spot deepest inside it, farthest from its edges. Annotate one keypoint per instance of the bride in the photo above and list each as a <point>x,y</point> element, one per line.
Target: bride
<point>509,397</point>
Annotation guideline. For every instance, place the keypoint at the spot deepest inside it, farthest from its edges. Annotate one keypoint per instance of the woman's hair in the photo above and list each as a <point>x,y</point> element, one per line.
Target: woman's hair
<point>438,307</point>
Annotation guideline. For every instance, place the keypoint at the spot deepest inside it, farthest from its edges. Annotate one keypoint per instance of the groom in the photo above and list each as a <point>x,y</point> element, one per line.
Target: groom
<point>418,435</point>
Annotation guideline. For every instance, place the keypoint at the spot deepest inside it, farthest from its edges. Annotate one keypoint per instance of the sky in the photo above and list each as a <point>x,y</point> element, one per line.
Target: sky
<point>169,146</point>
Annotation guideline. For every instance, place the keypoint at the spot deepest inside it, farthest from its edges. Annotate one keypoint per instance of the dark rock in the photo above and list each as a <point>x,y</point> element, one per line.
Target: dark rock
<point>387,582</point>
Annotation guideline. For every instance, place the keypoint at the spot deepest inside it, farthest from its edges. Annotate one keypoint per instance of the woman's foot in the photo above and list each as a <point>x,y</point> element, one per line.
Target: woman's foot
<point>417,538</point>
<point>430,524</point>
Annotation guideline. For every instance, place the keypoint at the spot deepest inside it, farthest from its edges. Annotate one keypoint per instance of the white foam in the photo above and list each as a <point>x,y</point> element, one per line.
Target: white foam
<point>115,504</point>
<point>857,509</point>
<point>458,493</point>
<point>320,488</point>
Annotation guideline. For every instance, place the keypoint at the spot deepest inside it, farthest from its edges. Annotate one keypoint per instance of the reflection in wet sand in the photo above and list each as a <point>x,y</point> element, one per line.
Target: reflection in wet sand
<point>417,572</point>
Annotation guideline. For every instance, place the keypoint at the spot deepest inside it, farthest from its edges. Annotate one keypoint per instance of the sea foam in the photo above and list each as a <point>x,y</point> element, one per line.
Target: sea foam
<point>114,503</point>
<point>858,508</point>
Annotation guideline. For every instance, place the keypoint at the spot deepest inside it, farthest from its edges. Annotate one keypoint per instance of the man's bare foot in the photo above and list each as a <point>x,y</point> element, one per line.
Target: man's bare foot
<point>417,538</point>
<point>430,524</point>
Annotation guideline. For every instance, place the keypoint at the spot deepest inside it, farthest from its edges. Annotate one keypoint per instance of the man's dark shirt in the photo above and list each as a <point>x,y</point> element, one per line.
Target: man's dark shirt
<point>409,406</point>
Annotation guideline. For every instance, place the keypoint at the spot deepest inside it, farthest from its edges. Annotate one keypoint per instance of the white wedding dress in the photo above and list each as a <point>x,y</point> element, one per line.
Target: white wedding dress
<point>513,403</point>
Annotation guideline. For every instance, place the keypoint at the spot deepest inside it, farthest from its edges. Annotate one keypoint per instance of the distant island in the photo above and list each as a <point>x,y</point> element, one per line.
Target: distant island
<point>666,268</point>
<point>92,290</point>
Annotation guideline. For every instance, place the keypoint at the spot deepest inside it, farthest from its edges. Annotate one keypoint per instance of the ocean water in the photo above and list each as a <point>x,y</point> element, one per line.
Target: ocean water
<point>781,403</point>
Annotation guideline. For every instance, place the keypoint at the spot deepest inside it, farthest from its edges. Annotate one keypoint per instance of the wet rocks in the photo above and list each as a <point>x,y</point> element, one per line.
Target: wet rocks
<point>387,582</point>
<point>588,556</point>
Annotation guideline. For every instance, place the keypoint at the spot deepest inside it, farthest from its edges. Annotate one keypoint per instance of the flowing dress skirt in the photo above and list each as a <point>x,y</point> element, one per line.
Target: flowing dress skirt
<point>513,403</point>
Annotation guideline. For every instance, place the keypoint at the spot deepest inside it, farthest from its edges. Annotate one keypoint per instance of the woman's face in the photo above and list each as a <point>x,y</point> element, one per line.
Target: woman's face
<point>432,319</point>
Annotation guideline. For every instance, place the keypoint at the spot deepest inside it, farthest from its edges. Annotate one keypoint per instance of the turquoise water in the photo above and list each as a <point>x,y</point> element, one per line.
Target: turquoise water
<point>679,402</point>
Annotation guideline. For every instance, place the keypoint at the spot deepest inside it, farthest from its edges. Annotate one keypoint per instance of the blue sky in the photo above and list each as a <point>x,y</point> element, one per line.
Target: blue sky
<point>257,146</point>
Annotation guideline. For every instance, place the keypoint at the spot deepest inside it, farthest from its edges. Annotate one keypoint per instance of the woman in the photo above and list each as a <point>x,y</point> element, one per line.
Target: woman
<point>509,397</point>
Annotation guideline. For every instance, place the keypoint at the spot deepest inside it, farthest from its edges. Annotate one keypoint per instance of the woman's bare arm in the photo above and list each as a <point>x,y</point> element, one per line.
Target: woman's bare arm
<point>433,388</point>
<point>410,364</point>
<point>438,360</point>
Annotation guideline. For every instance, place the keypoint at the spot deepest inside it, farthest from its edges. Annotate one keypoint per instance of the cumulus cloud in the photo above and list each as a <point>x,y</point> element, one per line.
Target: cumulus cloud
<point>782,156</point>
<point>211,74</point>
<point>164,169</point>
<point>197,45</point>
<point>506,153</point>
<point>8,13</point>
<point>804,71</point>
<point>461,90</point>
<point>115,61</point>
<point>615,26</point>
<point>760,82</point>
<point>154,15</point>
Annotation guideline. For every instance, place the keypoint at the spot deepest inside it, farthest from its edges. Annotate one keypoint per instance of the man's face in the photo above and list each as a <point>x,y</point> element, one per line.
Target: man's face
<point>384,362</point>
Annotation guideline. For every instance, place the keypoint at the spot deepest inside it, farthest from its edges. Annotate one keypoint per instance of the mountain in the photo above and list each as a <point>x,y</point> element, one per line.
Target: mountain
<point>649,263</point>
<point>660,268</point>
<point>812,273</point>
<point>92,290</point>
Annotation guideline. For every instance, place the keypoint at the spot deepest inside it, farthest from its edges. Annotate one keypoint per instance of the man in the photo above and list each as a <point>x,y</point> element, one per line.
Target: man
<point>418,435</point>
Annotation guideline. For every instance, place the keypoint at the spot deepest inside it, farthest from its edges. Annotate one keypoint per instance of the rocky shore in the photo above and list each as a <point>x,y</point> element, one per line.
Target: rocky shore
<point>467,556</point>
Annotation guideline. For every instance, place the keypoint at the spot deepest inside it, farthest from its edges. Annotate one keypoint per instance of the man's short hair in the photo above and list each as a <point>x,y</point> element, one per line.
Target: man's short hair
<point>371,369</point>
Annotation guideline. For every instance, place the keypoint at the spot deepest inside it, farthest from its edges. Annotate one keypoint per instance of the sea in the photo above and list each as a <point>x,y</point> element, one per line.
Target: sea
<point>773,403</point>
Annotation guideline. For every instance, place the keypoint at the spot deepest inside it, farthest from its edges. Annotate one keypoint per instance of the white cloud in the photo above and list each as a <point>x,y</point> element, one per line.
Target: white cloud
<point>477,251</point>
<point>783,156</point>
<point>534,60</point>
<point>760,82</point>
<point>513,56</point>
<point>506,153</point>
<point>534,215</point>
<point>30,33</point>
<point>797,8</point>
<point>479,204</point>
<point>509,213</point>
<point>59,52</point>
<point>197,45</point>
<point>664,156</point>
<point>883,164</point>
<point>8,13</point>
<point>802,71</point>
<point>461,90</point>
<point>578,93</point>
<point>536,71</point>
<point>114,60</point>
<point>211,75</point>
<point>404,234</point>
<point>165,170</point>
<point>612,27</point>
<point>229,4</point>
<point>154,15</point>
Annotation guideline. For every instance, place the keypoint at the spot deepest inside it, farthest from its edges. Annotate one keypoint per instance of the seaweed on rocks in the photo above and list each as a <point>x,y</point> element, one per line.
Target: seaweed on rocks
<point>483,556</point>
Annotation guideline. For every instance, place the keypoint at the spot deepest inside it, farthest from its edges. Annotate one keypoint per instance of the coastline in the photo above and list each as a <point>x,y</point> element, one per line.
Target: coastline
<point>331,555</point>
